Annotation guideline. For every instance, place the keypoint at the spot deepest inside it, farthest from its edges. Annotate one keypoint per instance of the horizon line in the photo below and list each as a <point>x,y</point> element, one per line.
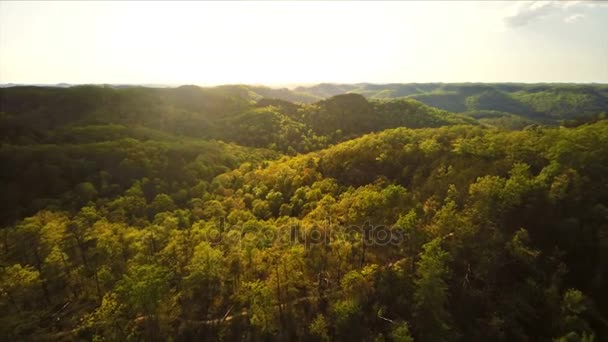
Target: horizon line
<point>288,85</point>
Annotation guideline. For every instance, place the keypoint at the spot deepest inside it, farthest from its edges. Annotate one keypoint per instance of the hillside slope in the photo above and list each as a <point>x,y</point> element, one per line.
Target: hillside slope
<point>434,233</point>
<point>30,115</point>
<point>515,104</point>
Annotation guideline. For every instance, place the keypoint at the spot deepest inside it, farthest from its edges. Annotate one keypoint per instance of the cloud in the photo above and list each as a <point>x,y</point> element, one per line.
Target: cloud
<point>524,13</point>
<point>527,12</point>
<point>574,18</point>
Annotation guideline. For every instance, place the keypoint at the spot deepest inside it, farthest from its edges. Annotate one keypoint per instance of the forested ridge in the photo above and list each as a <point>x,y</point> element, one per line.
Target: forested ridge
<point>509,105</point>
<point>333,212</point>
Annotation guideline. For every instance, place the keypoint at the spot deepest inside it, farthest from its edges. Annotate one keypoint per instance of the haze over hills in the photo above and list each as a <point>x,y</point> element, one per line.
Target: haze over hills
<point>491,102</point>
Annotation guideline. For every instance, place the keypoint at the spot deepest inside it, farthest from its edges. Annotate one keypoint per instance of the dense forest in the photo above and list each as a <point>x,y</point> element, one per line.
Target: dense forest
<point>509,105</point>
<point>401,212</point>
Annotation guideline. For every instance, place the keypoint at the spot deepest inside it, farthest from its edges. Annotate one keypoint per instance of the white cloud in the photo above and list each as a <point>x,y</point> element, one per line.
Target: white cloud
<point>523,13</point>
<point>574,18</point>
<point>527,12</point>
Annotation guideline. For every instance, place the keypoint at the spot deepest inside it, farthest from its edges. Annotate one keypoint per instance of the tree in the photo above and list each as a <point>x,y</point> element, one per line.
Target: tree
<point>109,320</point>
<point>39,241</point>
<point>204,280</point>
<point>213,210</point>
<point>274,199</point>
<point>401,333</point>
<point>20,286</point>
<point>261,209</point>
<point>85,192</point>
<point>319,328</point>
<point>347,315</point>
<point>431,317</point>
<point>161,203</point>
<point>414,235</point>
<point>574,326</point>
<point>263,307</point>
<point>144,289</point>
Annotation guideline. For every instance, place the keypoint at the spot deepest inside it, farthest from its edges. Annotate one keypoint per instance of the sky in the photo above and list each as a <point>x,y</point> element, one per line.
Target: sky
<point>287,43</point>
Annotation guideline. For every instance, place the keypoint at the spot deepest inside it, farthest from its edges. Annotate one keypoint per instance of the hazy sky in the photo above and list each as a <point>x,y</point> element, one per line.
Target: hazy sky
<point>303,42</point>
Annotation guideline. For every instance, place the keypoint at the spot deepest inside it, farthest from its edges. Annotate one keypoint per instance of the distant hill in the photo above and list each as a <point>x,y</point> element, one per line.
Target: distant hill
<point>195,111</point>
<point>512,105</point>
<point>538,103</point>
<point>252,116</point>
